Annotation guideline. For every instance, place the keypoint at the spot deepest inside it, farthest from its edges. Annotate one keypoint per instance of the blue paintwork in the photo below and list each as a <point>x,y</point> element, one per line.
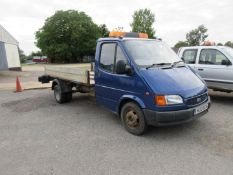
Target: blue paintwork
<point>112,89</point>
<point>180,81</point>
<point>134,98</point>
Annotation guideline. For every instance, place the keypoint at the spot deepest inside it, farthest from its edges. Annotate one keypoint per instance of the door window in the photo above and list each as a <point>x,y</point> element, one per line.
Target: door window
<point>120,56</point>
<point>212,56</point>
<point>107,56</point>
<point>189,56</point>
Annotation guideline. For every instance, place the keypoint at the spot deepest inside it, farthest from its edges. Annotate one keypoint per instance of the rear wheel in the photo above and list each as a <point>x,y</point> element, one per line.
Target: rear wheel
<point>60,96</point>
<point>68,96</point>
<point>133,119</point>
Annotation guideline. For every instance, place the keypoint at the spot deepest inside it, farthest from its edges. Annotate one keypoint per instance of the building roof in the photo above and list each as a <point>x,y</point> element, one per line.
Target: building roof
<point>6,37</point>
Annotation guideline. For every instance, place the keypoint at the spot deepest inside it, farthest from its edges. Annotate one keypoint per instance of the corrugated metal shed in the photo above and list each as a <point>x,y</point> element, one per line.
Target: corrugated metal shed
<point>9,54</point>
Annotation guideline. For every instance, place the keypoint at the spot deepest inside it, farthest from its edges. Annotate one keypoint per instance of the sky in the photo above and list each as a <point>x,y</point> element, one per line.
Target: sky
<point>22,18</point>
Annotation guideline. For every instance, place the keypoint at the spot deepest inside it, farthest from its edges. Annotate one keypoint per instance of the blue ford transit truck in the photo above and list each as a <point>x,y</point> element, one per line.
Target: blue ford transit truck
<point>142,80</point>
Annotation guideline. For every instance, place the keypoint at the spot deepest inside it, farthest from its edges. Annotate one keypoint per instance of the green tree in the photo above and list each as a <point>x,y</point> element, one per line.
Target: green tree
<point>229,44</point>
<point>22,56</point>
<point>219,44</point>
<point>181,44</point>
<point>67,36</point>
<point>104,30</point>
<point>196,36</point>
<point>143,20</point>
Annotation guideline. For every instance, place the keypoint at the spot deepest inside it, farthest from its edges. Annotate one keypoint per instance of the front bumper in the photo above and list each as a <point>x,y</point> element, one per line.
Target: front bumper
<point>172,117</point>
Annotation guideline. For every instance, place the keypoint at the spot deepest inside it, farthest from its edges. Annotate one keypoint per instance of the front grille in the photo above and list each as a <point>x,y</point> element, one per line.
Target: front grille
<point>197,100</point>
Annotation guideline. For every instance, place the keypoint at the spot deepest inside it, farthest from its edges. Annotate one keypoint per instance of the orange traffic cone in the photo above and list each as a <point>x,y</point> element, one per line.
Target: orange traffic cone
<point>18,86</point>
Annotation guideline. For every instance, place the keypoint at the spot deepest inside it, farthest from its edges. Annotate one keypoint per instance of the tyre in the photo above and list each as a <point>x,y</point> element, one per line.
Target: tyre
<point>133,119</point>
<point>68,96</point>
<point>61,97</point>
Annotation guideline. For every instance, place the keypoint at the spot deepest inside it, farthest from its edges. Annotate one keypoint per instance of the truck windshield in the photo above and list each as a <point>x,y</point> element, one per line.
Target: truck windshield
<point>150,52</point>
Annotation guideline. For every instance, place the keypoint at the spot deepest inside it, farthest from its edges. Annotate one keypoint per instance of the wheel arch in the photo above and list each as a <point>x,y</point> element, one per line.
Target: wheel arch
<point>129,98</point>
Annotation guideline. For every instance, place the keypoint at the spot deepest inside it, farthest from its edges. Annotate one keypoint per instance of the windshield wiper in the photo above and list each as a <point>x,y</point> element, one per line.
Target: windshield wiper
<point>157,64</point>
<point>176,62</point>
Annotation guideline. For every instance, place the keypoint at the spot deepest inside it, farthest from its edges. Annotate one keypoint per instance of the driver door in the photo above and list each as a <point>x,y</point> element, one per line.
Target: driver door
<point>110,86</point>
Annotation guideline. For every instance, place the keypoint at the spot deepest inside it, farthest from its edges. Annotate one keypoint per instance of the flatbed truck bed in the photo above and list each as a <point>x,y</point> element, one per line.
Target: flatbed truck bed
<point>68,79</point>
<point>76,73</point>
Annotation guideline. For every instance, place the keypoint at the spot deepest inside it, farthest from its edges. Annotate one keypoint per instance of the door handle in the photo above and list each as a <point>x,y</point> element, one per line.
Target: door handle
<point>200,69</point>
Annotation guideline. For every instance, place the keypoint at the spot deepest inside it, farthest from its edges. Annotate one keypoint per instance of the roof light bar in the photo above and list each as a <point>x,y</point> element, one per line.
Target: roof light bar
<point>208,43</point>
<point>127,34</point>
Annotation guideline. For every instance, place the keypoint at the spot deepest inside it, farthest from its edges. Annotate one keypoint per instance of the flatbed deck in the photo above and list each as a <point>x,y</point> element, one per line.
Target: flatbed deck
<point>77,73</point>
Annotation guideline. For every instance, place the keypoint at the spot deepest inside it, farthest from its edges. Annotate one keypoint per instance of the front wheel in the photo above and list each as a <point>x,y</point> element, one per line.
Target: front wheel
<point>133,119</point>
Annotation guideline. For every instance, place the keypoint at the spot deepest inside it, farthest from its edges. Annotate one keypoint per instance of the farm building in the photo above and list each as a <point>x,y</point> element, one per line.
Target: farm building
<point>9,54</point>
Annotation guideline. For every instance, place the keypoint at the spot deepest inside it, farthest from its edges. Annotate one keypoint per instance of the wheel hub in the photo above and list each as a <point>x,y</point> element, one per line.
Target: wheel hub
<point>132,119</point>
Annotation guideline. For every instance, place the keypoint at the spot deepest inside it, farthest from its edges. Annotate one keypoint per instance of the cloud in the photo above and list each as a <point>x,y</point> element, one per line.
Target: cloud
<point>173,18</point>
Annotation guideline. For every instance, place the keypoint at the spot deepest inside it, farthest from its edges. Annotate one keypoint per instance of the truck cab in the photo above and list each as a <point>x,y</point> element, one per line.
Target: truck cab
<point>212,63</point>
<point>146,83</point>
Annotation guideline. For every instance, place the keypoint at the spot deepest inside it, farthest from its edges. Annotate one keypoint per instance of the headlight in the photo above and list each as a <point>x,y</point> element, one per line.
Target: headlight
<point>168,100</point>
<point>173,99</point>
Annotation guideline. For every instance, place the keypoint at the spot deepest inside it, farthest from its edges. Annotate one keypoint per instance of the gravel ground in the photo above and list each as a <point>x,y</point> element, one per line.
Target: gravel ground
<point>40,137</point>
<point>28,78</point>
<point>28,73</point>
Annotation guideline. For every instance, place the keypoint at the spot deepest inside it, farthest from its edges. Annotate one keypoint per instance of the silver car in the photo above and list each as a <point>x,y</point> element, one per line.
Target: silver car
<point>212,63</point>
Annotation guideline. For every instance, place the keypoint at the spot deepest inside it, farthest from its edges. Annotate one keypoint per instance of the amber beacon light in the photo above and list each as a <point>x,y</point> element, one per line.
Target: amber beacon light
<point>127,34</point>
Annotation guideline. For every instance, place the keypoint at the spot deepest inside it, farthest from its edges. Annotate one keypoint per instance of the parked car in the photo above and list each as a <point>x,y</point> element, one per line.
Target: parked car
<point>40,59</point>
<point>212,63</point>
<point>141,80</point>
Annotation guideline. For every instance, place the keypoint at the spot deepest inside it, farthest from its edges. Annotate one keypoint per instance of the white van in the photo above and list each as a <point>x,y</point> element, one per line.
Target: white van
<point>212,63</point>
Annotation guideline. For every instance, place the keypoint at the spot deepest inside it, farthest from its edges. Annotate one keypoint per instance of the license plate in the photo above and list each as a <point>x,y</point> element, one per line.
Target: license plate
<point>200,109</point>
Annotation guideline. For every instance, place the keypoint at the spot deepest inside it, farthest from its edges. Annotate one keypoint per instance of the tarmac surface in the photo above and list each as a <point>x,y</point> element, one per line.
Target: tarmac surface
<point>40,137</point>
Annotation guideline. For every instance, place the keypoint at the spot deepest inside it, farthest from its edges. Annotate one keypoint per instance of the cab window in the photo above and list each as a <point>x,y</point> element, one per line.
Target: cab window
<point>120,56</point>
<point>107,56</point>
<point>189,56</point>
<point>212,56</point>
<point>111,53</point>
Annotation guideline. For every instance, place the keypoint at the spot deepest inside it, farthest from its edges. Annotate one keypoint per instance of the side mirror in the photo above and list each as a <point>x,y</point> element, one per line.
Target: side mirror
<point>226,62</point>
<point>122,67</point>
